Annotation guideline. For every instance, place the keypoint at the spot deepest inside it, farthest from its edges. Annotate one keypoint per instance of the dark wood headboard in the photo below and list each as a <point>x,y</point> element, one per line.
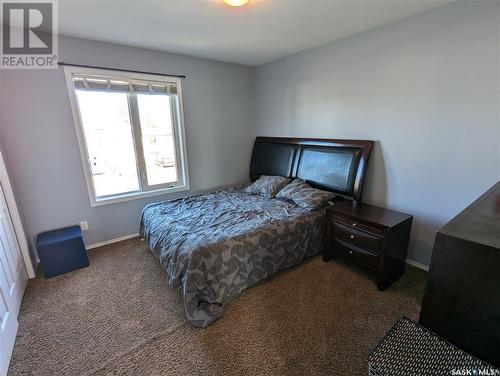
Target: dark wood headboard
<point>335,165</point>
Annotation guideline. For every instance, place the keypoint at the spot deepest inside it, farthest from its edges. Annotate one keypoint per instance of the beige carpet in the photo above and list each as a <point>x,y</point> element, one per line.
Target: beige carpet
<point>118,317</point>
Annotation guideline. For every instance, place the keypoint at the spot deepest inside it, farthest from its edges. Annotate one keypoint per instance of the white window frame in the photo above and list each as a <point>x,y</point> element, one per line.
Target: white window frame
<point>179,137</point>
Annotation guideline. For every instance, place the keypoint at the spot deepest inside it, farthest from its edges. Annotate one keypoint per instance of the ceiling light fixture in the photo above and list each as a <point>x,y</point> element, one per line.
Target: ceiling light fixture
<point>236,3</point>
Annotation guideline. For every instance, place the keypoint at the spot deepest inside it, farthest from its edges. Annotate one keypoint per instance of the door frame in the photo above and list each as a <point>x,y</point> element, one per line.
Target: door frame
<point>15,217</point>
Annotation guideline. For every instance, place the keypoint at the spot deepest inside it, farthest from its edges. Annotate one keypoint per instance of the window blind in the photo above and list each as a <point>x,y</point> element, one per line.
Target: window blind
<point>101,83</point>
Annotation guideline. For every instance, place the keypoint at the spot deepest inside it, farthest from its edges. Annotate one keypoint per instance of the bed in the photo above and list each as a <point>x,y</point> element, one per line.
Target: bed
<point>215,245</point>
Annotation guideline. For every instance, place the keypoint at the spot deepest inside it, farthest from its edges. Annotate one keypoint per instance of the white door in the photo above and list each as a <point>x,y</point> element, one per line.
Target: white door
<point>13,280</point>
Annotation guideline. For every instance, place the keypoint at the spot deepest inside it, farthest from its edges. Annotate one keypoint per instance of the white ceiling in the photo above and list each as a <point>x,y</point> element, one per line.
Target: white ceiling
<point>262,31</point>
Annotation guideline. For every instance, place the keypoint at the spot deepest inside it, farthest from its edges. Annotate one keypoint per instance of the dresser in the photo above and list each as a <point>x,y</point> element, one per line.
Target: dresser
<point>370,236</point>
<point>462,297</point>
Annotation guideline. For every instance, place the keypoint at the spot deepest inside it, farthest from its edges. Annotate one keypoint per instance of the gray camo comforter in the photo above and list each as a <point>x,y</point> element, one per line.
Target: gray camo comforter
<point>215,245</point>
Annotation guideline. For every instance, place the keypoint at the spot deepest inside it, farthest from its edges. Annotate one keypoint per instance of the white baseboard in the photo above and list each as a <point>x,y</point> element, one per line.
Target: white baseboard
<point>417,265</point>
<point>100,244</point>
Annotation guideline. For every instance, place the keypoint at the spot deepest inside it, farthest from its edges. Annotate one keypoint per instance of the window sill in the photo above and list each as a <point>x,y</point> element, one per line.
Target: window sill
<point>136,195</point>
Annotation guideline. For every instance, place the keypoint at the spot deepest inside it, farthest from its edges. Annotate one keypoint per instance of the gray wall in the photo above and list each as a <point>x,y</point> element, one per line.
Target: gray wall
<point>425,88</point>
<point>41,149</point>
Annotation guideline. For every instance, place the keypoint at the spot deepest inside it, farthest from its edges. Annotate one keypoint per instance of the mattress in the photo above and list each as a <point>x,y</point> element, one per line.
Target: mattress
<point>215,245</point>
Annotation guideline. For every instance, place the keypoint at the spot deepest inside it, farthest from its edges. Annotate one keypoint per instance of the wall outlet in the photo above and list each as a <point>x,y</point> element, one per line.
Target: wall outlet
<point>84,225</point>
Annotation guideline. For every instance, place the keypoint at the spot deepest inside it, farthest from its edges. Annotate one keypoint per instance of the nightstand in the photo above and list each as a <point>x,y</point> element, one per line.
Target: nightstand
<point>371,237</point>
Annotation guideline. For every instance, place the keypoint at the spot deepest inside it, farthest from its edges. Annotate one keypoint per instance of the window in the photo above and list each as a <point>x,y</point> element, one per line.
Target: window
<point>131,133</point>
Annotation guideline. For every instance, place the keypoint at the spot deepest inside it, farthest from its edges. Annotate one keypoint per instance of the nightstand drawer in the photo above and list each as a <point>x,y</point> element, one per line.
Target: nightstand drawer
<point>375,228</point>
<point>359,256</point>
<point>359,238</point>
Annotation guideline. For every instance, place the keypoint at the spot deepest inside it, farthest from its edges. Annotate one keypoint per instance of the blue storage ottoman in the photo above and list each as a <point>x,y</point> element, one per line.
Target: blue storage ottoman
<point>61,251</point>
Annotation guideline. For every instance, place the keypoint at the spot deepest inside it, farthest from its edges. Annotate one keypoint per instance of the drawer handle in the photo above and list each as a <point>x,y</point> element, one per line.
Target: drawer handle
<point>350,252</point>
<point>352,236</point>
<point>354,225</point>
